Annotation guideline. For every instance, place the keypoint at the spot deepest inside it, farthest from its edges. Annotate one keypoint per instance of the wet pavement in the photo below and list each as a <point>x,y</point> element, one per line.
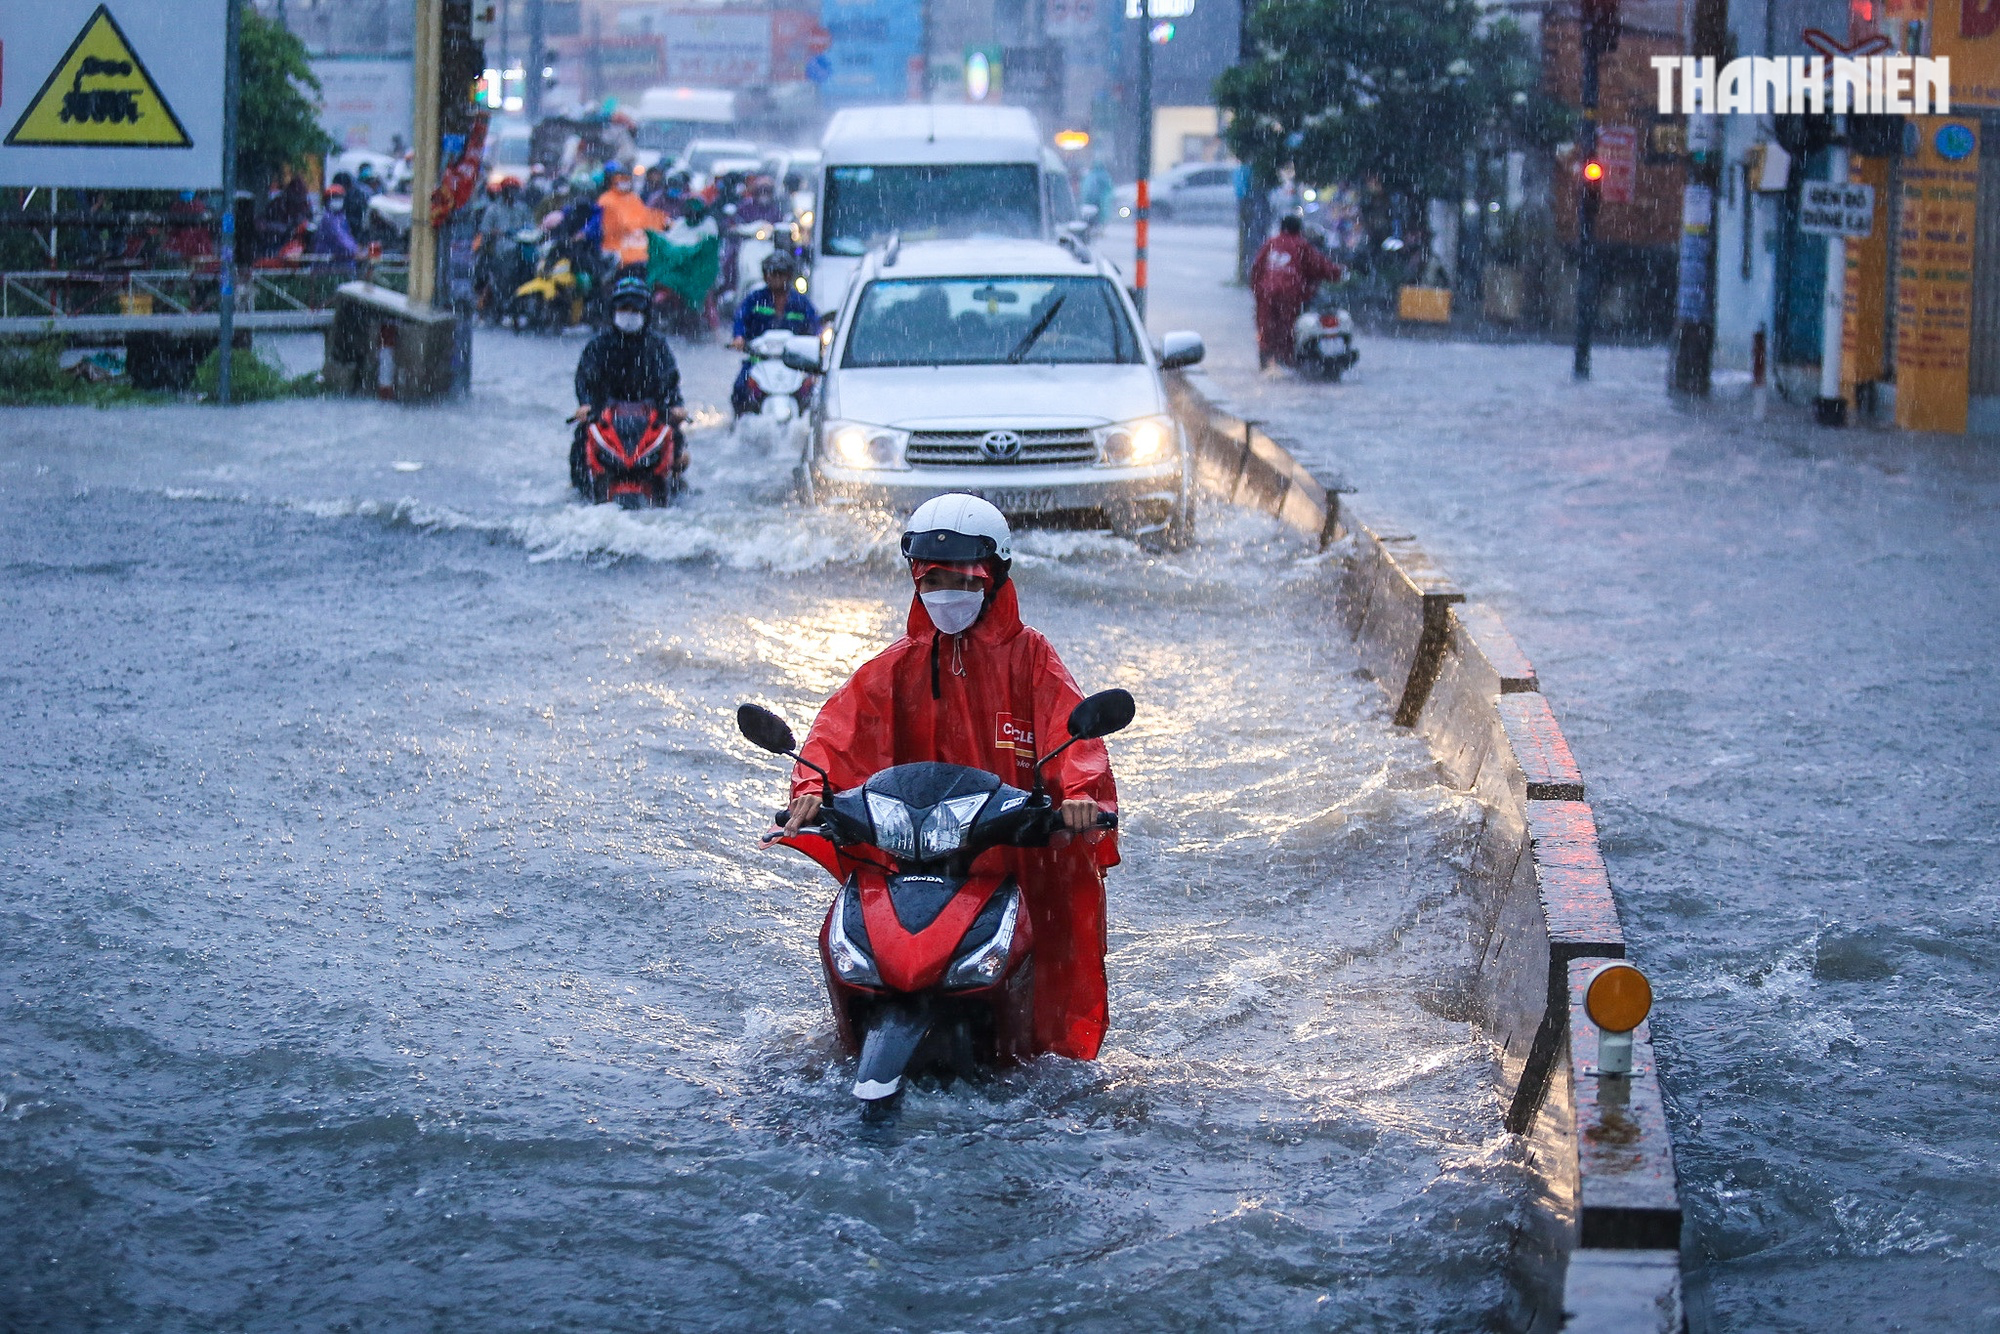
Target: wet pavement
<point>1771,647</point>
<point>386,948</point>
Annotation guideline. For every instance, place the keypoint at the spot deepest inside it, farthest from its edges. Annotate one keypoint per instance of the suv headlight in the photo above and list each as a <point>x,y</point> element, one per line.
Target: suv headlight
<point>1145,440</point>
<point>858,445</point>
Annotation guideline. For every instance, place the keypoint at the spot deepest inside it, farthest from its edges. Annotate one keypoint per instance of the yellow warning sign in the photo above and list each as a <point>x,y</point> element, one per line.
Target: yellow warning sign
<point>99,96</point>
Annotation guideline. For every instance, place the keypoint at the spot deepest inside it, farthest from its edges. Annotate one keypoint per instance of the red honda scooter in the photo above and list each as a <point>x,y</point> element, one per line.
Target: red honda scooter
<point>928,950</point>
<point>628,454</point>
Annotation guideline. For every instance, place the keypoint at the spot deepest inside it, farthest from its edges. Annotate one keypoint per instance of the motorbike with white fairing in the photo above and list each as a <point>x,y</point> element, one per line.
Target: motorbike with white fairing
<point>780,390</point>
<point>1323,338</point>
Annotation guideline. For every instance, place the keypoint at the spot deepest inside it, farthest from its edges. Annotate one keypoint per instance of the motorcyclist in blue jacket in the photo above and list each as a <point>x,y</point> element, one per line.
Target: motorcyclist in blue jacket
<point>776,305</point>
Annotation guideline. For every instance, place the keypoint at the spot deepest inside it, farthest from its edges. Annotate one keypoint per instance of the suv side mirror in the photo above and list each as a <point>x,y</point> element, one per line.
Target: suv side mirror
<point>802,353</point>
<point>1181,348</point>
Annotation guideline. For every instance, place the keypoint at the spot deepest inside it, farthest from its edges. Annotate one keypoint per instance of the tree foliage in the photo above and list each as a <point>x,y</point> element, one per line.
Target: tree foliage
<point>1384,92</point>
<point>277,121</point>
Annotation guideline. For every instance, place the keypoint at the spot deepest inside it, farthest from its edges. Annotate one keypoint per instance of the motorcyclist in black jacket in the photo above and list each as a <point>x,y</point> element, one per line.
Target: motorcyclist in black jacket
<point>627,363</point>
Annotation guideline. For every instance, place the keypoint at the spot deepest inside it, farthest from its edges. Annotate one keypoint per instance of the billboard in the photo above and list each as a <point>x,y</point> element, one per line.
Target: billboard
<point>868,57</point>
<point>114,93</point>
<point>364,103</point>
<point>718,49</point>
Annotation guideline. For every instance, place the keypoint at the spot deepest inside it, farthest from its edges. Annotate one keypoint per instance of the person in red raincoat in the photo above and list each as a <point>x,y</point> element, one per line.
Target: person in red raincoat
<point>1283,277</point>
<point>969,684</point>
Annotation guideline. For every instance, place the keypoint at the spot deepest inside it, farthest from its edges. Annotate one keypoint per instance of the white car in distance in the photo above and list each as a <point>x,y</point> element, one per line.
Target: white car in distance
<point>1014,370</point>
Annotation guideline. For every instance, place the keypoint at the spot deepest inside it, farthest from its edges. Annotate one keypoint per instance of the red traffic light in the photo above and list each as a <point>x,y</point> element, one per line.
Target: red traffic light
<point>1593,171</point>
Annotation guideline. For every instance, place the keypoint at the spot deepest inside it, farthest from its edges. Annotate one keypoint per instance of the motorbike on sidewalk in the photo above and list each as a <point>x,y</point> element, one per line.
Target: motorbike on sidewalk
<point>777,393</point>
<point>1323,338</point>
<point>628,454</point>
<point>928,948</point>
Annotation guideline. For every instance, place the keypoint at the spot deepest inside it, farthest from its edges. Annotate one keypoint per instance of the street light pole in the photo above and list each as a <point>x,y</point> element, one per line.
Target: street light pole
<point>232,82</point>
<point>1144,140</point>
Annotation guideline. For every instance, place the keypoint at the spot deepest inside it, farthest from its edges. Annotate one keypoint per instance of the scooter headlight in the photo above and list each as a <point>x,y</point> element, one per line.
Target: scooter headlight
<point>984,966</point>
<point>894,833</point>
<point>849,959</point>
<point>1147,440</point>
<point>946,826</point>
<point>854,445</point>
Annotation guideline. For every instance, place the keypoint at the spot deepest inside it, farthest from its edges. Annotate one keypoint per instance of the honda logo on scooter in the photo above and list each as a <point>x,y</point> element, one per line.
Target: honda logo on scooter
<point>1001,446</point>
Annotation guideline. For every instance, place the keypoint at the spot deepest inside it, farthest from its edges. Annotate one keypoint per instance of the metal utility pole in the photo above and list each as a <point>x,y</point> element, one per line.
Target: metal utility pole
<point>232,91</point>
<point>538,41</point>
<point>1694,329</point>
<point>1597,34</point>
<point>500,103</point>
<point>1245,213</point>
<point>1830,408</point>
<point>1144,144</point>
<point>426,71</point>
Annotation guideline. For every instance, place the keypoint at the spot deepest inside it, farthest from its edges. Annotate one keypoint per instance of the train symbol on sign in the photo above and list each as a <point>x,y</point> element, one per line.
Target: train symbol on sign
<point>101,106</point>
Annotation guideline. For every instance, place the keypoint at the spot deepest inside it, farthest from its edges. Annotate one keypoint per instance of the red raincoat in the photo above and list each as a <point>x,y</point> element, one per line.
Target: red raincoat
<point>993,698</point>
<point>1282,278</point>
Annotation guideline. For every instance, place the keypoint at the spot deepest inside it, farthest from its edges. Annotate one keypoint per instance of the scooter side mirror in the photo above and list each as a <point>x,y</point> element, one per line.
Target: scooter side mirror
<point>765,729</point>
<point>1102,714</point>
<point>1181,348</point>
<point>802,353</point>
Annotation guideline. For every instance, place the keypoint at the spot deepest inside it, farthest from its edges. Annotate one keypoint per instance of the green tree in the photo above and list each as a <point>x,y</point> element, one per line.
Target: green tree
<point>1384,92</point>
<point>277,122</point>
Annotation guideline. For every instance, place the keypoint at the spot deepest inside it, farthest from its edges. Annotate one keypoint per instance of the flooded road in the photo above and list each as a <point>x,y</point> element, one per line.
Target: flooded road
<point>386,945</point>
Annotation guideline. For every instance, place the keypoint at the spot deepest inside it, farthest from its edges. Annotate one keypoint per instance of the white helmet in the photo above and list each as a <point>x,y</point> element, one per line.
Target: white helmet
<point>959,530</point>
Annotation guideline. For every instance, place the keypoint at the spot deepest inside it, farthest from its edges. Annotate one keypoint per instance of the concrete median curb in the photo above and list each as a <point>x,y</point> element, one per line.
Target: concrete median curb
<point>1601,1249</point>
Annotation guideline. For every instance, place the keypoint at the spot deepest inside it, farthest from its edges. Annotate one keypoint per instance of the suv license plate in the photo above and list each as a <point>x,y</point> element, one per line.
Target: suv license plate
<point>1025,501</point>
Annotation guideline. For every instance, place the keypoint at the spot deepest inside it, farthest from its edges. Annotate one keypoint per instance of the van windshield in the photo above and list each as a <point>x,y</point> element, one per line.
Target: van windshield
<point>864,205</point>
<point>989,321</point>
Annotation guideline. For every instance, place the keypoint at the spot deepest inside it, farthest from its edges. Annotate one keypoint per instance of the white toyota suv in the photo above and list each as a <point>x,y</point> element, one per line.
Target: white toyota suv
<point>1014,370</point>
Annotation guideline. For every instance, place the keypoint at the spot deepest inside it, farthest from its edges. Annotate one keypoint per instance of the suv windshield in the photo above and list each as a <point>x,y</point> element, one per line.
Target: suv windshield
<point>865,204</point>
<point>989,321</point>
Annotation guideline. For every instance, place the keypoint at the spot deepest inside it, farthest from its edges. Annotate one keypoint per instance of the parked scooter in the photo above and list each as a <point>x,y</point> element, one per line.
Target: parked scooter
<point>778,392</point>
<point>629,454</point>
<point>928,950</point>
<point>1323,338</point>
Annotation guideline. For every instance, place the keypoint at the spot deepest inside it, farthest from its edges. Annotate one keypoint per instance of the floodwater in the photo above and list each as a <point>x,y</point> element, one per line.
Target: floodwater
<point>386,945</point>
<point>1772,648</point>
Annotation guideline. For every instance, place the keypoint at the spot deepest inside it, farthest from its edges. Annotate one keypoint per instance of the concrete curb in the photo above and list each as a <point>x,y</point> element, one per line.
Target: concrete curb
<point>1601,1250</point>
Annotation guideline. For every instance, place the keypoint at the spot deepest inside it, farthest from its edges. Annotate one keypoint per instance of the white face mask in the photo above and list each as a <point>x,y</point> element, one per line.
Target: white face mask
<point>623,187</point>
<point>953,610</point>
<point>631,321</point>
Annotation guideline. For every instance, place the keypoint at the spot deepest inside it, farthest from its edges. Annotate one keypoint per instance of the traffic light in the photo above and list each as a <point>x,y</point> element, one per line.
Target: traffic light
<point>1600,24</point>
<point>1593,173</point>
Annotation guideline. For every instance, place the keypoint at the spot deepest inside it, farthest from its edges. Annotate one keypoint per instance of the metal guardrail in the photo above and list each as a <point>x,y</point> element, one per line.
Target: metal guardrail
<point>38,302</point>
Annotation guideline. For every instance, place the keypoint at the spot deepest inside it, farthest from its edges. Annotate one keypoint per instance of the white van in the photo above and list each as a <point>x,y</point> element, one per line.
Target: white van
<point>670,117</point>
<point>931,173</point>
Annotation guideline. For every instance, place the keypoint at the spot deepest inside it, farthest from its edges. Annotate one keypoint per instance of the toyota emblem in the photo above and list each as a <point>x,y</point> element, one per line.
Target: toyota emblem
<point>1001,446</point>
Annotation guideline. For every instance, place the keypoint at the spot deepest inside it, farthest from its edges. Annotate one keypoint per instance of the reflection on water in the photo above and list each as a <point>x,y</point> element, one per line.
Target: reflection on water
<point>387,943</point>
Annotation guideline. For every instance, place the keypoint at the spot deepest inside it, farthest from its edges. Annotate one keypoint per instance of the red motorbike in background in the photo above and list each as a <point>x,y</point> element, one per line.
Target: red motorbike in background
<point>629,454</point>
<point>928,949</point>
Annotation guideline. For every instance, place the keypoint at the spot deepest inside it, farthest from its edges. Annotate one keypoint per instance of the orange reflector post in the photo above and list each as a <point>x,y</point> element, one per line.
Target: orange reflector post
<point>1618,998</point>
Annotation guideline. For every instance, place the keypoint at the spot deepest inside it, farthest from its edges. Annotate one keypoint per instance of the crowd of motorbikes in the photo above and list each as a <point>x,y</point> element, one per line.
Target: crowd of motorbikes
<point>551,276</point>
